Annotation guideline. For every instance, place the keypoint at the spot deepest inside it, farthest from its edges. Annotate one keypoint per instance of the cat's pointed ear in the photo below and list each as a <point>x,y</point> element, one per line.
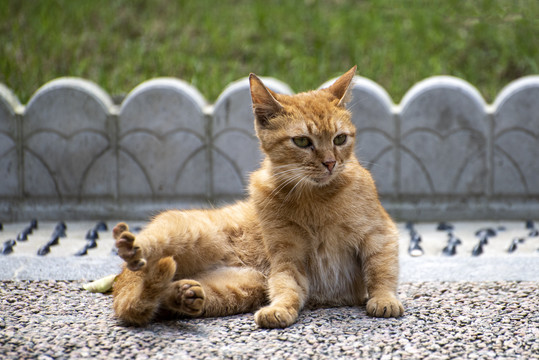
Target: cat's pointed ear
<point>265,106</point>
<point>340,88</point>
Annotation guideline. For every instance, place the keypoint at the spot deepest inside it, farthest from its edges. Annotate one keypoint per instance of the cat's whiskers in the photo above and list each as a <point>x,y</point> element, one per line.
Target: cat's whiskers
<point>282,186</point>
<point>300,185</point>
<point>292,190</point>
<point>285,172</point>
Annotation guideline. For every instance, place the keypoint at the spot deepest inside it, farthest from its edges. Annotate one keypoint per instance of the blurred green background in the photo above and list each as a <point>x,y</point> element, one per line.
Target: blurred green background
<point>120,43</point>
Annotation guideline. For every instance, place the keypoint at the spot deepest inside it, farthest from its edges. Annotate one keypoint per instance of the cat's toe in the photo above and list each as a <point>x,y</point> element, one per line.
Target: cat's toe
<point>272,317</point>
<point>385,307</point>
<point>119,229</point>
<point>129,251</point>
<point>190,297</point>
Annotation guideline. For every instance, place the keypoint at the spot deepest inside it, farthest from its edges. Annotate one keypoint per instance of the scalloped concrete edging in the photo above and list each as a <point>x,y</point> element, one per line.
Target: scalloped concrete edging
<point>441,153</point>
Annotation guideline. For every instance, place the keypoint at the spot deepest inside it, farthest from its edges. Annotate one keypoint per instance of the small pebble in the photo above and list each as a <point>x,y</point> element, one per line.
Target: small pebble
<point>7,247</point>
<point>92,234</point>
<point>44,250</point>
<point>478,249</point>
<point>490,232</point>
<point>91,244</point>
<point>83,251</point>
<point>54,240</point>
<point>450,249</point>
<point>101,226</point>
<point>513,246</point>
<point>23,236</point>
<point>444,226</point>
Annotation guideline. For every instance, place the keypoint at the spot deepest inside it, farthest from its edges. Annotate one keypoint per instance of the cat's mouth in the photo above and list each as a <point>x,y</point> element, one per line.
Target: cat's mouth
<point>324,178</point>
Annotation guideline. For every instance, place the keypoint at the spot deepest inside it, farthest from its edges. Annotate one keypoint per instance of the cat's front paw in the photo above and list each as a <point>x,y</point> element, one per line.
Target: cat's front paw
<point>387,306</point>
<point>275,317</point>
<point>189,297</point>
<point>127,249</point>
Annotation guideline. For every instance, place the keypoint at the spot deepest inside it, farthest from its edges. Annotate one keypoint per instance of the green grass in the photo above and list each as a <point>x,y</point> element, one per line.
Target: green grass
<point>120,43</point>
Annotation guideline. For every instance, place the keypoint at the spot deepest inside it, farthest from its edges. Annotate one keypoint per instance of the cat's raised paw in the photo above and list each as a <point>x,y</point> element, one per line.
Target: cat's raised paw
<point>129,251</point>
<point>119,229</point>
<point>272,317</point>
<point>384,307</point>
<point>189,297</point>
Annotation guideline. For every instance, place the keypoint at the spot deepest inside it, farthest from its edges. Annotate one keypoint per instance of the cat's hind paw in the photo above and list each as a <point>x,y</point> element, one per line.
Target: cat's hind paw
<point>388,306</point>
<point>128,250</point>
<point>189,297</point>
<point>119,229</point>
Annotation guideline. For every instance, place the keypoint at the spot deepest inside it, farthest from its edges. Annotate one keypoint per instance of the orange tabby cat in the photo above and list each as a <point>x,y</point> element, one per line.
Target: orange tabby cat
<point>311,233</point>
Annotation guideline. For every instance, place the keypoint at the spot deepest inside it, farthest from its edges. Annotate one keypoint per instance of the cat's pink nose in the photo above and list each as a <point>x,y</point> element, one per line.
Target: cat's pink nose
<point>329,164</point>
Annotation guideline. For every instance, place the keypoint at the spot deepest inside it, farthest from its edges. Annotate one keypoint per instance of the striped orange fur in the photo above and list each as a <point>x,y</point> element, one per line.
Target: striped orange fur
<point>312,231</point>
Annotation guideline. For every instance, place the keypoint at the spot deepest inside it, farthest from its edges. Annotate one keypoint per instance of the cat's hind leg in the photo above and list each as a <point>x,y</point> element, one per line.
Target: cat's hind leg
<point>219,292</point>
<point>137,296</point>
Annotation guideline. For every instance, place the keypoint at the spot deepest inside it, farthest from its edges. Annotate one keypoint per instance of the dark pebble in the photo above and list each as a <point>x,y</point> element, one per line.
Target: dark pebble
<point>415,237</point>
<point>44,250</point>
<point>91,244</point>
<point>530,224</point>
<point>483,240</point>
<point>59,232</point>
<point>61,225</point>
<point>23,236</point>
<point>490,232</point>
<point>34,224</point>
<point>83,251</point>
<point>55,240</point>
<point>450,249</point>
<point>513,246</point>
<point>452,239</point>
<point>7,248</point>
<point>534,233</point>
<point>101,226</point>
<point>478,249</point>
<point>92,234</point>
<point>444,226</point>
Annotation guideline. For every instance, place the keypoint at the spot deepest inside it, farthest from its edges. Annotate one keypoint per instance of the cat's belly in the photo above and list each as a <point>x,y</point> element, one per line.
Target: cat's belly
<point>335,279</point>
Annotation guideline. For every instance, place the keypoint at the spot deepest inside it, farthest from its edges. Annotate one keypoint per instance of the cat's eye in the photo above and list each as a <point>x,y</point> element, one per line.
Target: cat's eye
<point>340,139</point>
<point>302,141</point>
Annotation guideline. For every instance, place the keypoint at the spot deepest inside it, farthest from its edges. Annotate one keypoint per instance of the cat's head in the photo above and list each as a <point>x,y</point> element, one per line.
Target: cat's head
<point>308,136</point>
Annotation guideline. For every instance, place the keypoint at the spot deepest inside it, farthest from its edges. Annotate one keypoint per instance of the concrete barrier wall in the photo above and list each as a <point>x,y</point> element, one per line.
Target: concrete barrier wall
<point>441,153</point>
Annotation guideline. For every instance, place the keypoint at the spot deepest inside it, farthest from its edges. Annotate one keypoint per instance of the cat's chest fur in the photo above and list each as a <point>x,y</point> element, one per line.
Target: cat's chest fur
<point>332,245</point>
<point>332,266</point>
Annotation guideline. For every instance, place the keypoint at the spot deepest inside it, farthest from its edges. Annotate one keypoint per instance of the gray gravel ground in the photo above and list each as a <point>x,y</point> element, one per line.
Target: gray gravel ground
<point>485,320</point>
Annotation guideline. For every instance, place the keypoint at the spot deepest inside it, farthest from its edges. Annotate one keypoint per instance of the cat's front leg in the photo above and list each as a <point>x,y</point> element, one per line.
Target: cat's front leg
<point>287,283</point>
<point>288,297</point>
<point>381,269</point>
